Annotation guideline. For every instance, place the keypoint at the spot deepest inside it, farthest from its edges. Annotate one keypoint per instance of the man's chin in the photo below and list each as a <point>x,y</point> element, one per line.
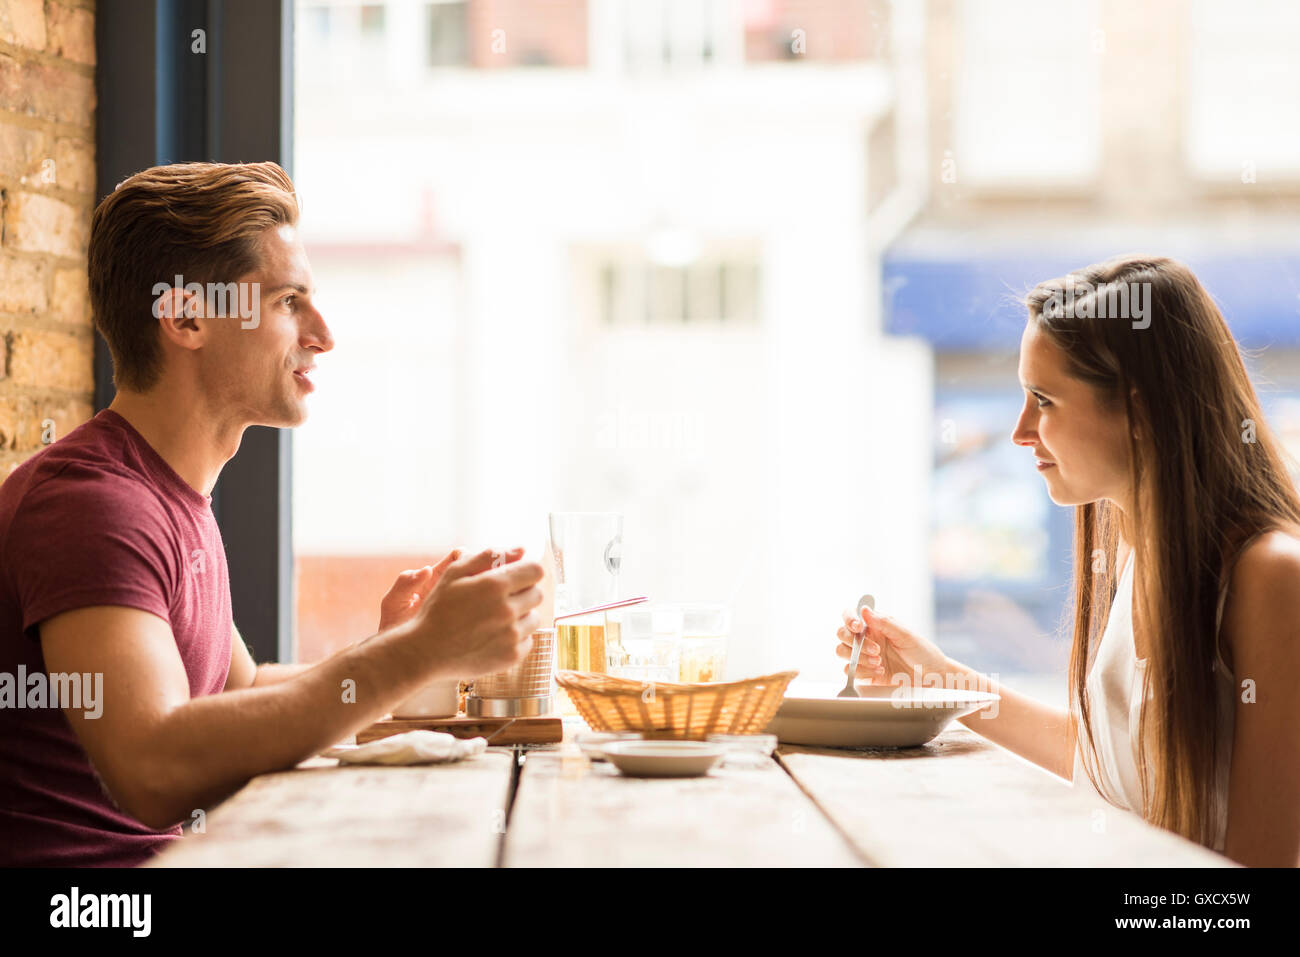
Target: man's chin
<point>296,420</point>
<point>285,418</point>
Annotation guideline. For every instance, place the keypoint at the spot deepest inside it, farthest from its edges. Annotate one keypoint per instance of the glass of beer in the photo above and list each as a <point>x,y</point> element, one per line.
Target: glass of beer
<point>586,550</point>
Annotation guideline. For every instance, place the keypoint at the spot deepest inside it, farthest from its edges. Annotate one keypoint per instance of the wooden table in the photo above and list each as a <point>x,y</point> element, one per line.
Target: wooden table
<point>958,801</point>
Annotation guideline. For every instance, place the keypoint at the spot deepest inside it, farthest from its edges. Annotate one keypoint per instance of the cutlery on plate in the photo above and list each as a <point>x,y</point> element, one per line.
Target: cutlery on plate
<point>866,601</point>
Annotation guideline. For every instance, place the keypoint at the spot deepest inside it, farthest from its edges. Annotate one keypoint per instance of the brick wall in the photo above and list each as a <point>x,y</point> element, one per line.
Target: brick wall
<point>47,195</point>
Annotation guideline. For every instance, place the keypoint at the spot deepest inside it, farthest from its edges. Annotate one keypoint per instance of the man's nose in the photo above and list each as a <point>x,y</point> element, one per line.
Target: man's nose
<point>320,335</point>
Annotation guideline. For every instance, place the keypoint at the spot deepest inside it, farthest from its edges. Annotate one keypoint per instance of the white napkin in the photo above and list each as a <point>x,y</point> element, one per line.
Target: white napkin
<point>409,747</point>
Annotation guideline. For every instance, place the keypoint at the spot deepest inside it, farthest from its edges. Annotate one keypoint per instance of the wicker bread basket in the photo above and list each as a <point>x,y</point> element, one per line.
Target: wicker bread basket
<point>664,710</point>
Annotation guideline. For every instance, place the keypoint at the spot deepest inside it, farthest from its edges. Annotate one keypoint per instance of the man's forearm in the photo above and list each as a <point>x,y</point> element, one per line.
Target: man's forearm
<point>274,673</point>
<point>211,746</point>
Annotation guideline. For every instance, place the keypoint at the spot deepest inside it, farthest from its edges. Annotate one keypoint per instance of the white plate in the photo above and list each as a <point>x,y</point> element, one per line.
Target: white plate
<point>664,759</point>
<point>592,743</point>
<point>884,717</point>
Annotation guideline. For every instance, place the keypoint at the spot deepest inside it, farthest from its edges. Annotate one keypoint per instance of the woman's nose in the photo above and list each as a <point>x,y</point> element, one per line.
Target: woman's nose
<point>1024,433</point>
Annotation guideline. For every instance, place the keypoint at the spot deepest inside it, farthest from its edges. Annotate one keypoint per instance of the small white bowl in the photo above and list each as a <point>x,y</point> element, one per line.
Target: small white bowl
<point>438,699</point>
<point>664,759</point>
<point>592,743</point>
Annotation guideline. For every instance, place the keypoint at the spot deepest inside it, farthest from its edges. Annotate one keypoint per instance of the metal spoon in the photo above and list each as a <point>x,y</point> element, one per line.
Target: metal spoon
<point>866,601</point>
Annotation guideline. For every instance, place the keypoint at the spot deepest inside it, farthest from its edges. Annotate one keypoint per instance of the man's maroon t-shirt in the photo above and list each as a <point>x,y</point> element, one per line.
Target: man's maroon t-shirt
<point>97,518</point>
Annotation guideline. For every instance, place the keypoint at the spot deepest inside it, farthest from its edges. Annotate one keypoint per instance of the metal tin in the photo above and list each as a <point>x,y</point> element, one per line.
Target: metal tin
<point>509,707</point>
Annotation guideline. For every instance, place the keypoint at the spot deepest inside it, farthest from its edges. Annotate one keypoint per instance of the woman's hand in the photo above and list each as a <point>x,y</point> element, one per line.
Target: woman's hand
<point>414,585</point>
<point>890,653</point>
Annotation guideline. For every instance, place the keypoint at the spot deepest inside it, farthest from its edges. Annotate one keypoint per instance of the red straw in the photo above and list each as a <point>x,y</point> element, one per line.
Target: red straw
<point>613,604</point>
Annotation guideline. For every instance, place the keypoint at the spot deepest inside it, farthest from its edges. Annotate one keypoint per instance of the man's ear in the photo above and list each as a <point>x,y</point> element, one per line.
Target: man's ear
<point>176,310</point>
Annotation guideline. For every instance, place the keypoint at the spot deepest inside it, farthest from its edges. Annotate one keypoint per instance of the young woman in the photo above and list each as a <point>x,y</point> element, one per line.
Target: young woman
<point>1185,665</point>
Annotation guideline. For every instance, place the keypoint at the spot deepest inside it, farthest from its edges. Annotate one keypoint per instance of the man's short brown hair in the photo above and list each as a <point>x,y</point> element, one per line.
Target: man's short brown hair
<point>201,221</point>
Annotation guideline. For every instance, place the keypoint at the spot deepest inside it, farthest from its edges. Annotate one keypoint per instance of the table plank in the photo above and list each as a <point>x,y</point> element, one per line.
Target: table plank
<point>323,814</point>
<point>571,812</point>
<point>962,801</point>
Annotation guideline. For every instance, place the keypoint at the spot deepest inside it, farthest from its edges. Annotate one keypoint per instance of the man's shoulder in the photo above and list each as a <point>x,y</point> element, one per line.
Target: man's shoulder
<point>81,525</point>
<point>87,475</point>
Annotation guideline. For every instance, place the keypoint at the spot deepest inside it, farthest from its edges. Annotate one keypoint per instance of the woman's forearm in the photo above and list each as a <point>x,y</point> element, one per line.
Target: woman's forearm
<point>1032,729</point>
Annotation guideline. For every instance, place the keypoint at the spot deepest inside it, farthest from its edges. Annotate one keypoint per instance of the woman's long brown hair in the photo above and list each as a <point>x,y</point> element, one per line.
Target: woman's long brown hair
<point>1205,472</point>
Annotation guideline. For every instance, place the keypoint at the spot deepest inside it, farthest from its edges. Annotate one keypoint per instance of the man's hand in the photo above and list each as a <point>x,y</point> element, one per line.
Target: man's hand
<point>414,585</point>
<point>480,616</point>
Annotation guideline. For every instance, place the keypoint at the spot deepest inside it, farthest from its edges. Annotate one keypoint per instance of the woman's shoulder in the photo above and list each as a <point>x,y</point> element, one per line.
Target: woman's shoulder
<point>1263,591</point>
<point>1272,553</point>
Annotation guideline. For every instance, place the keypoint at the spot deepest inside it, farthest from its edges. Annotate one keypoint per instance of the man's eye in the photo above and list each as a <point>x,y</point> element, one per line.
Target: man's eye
<point>288,300</point>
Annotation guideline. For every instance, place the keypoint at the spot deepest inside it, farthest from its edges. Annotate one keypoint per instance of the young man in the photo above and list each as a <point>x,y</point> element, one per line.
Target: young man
<point>128,700</point>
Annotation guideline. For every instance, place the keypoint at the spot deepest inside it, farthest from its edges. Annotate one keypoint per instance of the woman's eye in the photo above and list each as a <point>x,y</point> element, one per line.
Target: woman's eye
<point>1042,403</point>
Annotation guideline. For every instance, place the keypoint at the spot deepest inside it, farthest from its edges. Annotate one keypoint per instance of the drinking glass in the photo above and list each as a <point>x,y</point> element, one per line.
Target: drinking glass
<point>586,551</point>
<point>649,646</point>
<point>704,641</point>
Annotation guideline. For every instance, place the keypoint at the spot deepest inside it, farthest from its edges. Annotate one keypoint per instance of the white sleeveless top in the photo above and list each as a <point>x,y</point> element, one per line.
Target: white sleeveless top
<point>1114,687</point>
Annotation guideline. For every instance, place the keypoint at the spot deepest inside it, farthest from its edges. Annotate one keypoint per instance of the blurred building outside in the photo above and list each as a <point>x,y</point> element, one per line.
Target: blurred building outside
<point>746,272</point>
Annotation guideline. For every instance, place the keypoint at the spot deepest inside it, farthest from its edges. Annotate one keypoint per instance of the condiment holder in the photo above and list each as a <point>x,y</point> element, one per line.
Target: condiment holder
<point>526,690</point>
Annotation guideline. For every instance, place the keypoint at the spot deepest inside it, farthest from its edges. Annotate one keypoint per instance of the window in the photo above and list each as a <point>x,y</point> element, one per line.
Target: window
<point>1025,93</point>
<point>633,292</point>
<point>316,23</point>
<point>999,547</point>
<point>821,31</point>
<point>625,296</point>
<point>1243,92</point>
<point>372,19</point>
<point>448,34</point>
<point>344,43</point>
<point>1281,404</point>
<point>647,37</point>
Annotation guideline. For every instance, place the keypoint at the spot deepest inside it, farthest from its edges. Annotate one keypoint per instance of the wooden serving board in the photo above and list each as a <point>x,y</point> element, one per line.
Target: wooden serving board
<point>544,730</point>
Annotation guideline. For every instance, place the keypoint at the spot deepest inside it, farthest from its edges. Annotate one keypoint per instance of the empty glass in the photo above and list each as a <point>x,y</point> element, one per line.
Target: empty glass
<point>649,643</point>
<point>587,550</point>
